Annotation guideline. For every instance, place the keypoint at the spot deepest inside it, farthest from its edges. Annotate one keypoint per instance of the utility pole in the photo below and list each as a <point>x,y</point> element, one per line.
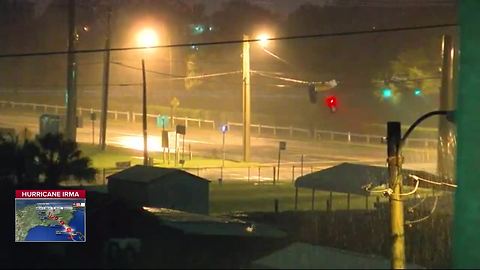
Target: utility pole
<point>446,130</point>
<point>246,99</point>
<point>106,77</point>
<point>71,94</point>
<point>144,116</point>
<point>466,250</point>
<point>394,137</point>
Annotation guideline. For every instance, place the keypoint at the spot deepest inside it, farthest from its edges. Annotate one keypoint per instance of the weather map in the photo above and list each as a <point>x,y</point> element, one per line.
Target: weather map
<point>50,216</point>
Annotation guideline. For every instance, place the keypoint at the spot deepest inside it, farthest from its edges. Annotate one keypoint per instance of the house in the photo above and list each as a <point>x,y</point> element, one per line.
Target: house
<point>161,187</point>
<point>306,256</point>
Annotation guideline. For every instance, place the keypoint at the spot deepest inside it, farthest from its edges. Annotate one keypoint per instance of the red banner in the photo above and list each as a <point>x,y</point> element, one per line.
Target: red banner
<point>45,194</point>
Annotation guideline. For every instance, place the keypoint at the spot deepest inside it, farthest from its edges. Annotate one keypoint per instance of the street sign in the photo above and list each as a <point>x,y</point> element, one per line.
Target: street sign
<point>181,129</point>
<point>165,139</point>
<point>174,102</point>
<point>283,145</point>
<point>162,121</point>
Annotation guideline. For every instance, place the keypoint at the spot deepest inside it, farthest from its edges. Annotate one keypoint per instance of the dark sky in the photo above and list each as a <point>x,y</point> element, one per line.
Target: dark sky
<point>285,6</point>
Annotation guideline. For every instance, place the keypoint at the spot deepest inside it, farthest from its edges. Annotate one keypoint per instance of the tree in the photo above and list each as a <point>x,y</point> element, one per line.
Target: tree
<point>19,162</point>
<point>51,156</point>
<point>60,159</point>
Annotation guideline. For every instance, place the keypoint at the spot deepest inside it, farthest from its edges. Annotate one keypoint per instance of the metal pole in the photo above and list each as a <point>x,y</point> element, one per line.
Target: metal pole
<point>223,149</point>
<point>71,94</point>
<point>278,166</point>
<point>396,203</point>
<point>301,166</point>
<point>106,77</point>
<point>176,149</point>
<point>445,166</point>
<point>144,116</point>
<point>93,132</point>
<point>183,149</point>
<point>246,100</point>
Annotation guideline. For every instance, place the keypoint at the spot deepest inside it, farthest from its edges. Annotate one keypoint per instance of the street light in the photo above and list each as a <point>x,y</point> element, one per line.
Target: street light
<point>147,37</point>
<point>263,39</point>
<point>224,130</point>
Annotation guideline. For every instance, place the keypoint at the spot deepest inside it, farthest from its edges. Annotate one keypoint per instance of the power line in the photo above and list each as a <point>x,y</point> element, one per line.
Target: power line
<point>237,41</point>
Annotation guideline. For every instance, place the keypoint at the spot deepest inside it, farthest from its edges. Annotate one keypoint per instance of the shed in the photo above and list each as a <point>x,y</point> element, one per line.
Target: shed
<point>353,178</point>
<point>306,256</point>
<point>161,187</point>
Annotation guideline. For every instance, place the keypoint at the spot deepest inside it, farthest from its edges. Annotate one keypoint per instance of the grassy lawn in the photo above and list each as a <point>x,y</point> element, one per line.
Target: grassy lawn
<point>248,197</point>
<point>108,158</point>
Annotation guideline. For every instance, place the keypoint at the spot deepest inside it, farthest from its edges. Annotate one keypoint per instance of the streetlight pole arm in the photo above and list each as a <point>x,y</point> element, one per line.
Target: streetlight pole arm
<point>449,115</point>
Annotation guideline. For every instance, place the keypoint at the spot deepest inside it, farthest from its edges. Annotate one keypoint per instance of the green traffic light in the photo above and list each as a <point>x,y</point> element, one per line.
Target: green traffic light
<point>387,93</point>
<point>417,92</point>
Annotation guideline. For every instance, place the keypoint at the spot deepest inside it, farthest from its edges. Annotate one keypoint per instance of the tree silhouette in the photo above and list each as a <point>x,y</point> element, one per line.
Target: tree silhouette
<point>50,156</point>
<point>19,162</point>
<point>59,159</point>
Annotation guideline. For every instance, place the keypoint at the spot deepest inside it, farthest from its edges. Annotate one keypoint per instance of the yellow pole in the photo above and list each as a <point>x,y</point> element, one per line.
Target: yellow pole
<point>246,99</point>
<point>396,203</point>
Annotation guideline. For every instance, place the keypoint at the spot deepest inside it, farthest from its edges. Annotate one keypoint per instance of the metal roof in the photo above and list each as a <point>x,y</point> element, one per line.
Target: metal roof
<point>353,178</point>
<point>147,174</point>
<point>197,224</point>
<point>306,256</point>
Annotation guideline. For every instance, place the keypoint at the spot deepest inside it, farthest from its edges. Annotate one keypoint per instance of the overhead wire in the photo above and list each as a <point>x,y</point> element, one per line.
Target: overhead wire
<point>236,41</point>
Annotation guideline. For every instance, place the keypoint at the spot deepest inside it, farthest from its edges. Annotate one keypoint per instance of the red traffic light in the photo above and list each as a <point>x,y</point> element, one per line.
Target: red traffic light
<point>331,102</point>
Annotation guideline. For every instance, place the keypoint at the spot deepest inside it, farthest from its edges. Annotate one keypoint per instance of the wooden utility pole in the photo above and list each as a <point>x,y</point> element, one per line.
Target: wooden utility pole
<point>144,116</point>
<point>106,77</point>
<point>71,94</point>
<point>246,99</point>
<point>466,248</point>
<point>396,204</point>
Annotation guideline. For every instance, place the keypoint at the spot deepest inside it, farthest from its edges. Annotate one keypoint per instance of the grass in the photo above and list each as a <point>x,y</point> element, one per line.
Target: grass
<point>250,197</point>
<point>108,158</point>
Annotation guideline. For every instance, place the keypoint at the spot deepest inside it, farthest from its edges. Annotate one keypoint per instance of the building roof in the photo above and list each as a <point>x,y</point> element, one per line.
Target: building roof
<point>197,224</point>
<point>353,178</point>
<point>306,256</point>
<point>147,174</point>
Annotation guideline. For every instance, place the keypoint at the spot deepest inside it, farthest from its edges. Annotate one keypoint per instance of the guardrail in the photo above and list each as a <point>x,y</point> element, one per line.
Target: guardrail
<point>260,129</point>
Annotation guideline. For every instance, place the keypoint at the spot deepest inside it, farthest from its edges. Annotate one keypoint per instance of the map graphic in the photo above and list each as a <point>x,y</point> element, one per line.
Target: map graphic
<point>50,220</point>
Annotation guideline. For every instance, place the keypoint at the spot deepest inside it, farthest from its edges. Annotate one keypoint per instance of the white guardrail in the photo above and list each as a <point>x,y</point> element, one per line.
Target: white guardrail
<point>348,137</point>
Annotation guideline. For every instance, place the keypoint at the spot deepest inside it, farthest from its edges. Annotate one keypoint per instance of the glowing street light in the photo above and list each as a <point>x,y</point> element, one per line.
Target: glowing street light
<point>263,39</point>
<point>147,38</point>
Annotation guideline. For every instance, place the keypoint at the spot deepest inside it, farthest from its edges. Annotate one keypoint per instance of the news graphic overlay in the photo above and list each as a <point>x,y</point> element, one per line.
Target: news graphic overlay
<point>50,215</point>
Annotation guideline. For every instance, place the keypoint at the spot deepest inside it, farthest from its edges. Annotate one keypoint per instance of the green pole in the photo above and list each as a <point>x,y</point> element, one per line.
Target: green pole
<point>466,247</point>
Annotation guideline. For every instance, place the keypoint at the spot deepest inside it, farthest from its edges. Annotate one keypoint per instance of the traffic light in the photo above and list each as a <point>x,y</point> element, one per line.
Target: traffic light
<point>312,93</point>
<point>331,102</point>
<point>387,93</point>
<point>197,29</point>
<point>417,92</point>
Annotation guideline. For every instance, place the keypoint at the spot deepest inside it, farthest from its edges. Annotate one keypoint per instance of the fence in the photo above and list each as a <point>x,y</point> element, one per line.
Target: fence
<point>259,129</point>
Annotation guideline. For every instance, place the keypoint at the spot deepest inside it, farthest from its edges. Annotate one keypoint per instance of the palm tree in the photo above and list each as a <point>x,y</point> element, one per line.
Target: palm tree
<point>19,162</point>
<point>59,159</point>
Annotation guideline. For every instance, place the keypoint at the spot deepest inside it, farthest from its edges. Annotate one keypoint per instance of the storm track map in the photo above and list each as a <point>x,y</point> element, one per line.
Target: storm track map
<point>50,216</point>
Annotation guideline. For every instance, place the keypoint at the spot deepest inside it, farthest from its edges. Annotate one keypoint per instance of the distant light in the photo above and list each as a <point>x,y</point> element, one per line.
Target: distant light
<point>387,93</point>
<point>417,92</point>
<point>210,28</point>
<point>136,143</point>
<point>147,38</point>
<point>250,228</point>
<point>86,28</point>
<point>198,29</point>
<point>263,39</point>
<point>224,128</point>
